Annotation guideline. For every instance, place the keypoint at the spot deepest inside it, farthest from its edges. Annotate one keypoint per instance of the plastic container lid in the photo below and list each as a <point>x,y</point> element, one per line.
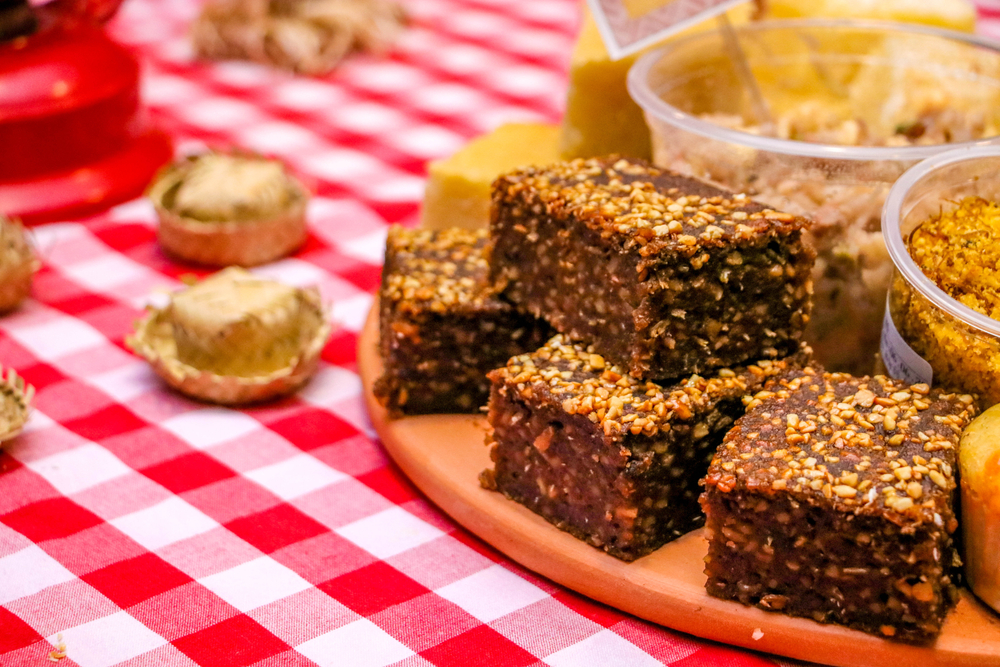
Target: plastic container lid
<point>894,213</point>
<point>642,92</point>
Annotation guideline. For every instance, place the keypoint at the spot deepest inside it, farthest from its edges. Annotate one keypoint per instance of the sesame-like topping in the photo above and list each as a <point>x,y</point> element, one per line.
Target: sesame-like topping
<point>437,271</point>
<point>584,383</point>
<point>866,445</point>
<point>649,208</point>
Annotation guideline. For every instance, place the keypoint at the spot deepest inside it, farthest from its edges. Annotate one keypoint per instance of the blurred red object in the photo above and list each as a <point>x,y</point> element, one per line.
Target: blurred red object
<point>73,138</point>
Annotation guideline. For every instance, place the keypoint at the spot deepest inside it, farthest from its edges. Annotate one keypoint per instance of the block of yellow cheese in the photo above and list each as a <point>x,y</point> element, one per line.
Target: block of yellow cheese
<point>458,187</point>
<point>600,117</point>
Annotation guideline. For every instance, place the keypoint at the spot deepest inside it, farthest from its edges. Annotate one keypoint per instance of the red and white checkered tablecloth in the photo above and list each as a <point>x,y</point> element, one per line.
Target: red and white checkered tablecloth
<point>140,528</point>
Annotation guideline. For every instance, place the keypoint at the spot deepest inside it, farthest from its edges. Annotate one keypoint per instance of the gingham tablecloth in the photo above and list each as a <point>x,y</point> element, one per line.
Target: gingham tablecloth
<point>140,528</point>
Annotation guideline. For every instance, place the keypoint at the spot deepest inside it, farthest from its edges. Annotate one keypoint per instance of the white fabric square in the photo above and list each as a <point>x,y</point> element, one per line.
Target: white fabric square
<point>305,95</point>
<point>242,74</point>
<point>368,118</point>
<point>48,236</point>
<point>255,583</point>
<point>448,99</point>
<point>341,164</point>
<point>292,271</point>
<point>137,210</point>
<point>166,89</point>
<point>525,81</point>
<point>480,24</point>
<point>28,571</point>
<point>331,384</point>
<point>389,532</point>
<point>468,59</point>
<point>59,337</point>
<point>79,468</point>
<point>167,522</point>
<point>359,644</point>
<point>369,247</point>
<point>603,648</point>
<point>397,188</point>
<point>278,137</point>
<point>127,382</point>
<point>219,113</point>
<point>38,421</point>
<point>492,593</point>
<point>351,313</point>
<point>210,426</point>
<point>176,50</point>
<point>105,272</point>
<point>386,76</point>
<point>428,141</point>
<point>296,476</point>
<point>108,641</point>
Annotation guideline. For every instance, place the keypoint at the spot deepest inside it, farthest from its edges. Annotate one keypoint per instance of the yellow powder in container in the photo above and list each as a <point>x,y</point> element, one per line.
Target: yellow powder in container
<point>959,250</point>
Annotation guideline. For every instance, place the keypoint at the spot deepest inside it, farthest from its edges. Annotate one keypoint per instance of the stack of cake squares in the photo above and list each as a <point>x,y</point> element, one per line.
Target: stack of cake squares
<point>677,360</point>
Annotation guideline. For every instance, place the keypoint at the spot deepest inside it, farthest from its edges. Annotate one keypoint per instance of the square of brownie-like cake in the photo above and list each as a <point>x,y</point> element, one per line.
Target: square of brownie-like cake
<point>442,325</point>
<point>663,274</point>
<point>832,498</point>
<point>613,460</point>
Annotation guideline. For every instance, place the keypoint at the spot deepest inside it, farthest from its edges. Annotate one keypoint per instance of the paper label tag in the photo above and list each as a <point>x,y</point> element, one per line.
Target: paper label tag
<point>901,361</point>
<point>628,26</point>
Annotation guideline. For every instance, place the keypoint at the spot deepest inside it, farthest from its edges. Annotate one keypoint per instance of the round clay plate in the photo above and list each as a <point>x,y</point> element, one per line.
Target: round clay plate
<point>444,454</point>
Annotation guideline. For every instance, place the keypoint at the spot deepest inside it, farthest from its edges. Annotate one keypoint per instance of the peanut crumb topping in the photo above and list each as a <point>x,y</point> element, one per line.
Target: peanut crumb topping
<point>649,207</point>
<point>960,252</point>
<point>437,270</point>
<point>868,445</point>
<point>586,384</point>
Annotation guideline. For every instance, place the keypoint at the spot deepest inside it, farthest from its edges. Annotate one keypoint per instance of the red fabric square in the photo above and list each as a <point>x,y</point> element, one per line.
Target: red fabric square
<point>21,485</point>
<point>50,286</point>
<point>236,642</point>
<point>79,304</point>
<point>131,581</point>
<point>482,646</point>
<point>323,557</point>
<point>49,519</point>
<point>595,611</point>
<point>111,421</point>
<point>341,349</point>
<point>275,528</point>
<point>291,658</point>
<point>362,274</point>
<point>425,621</point>
<point>114,320</point>
<point>93,549</point>
<point>15,633</point>
<point>371,589</point>
<point>312,428</point>
<point>477,545</point>
<point>391,484</point>
<point>145,447</point>
<point>354,456</point>
<point>231,499</point>
<point>14,354</point>
<point>41,375</point>
<point>187,472</point>
<point>124,236</point>
<point>182,611</point>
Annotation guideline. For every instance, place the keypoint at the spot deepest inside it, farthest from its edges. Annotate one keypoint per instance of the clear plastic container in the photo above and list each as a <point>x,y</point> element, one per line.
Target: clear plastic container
<point>927,335</point>
<point>871,76</point>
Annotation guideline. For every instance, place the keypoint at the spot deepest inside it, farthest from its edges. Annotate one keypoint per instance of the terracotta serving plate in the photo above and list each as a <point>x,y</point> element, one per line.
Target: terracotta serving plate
<point>444,454</point>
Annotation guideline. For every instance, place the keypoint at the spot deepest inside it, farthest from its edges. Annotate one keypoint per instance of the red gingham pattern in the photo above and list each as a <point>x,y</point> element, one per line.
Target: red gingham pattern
<point>140,528</point>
